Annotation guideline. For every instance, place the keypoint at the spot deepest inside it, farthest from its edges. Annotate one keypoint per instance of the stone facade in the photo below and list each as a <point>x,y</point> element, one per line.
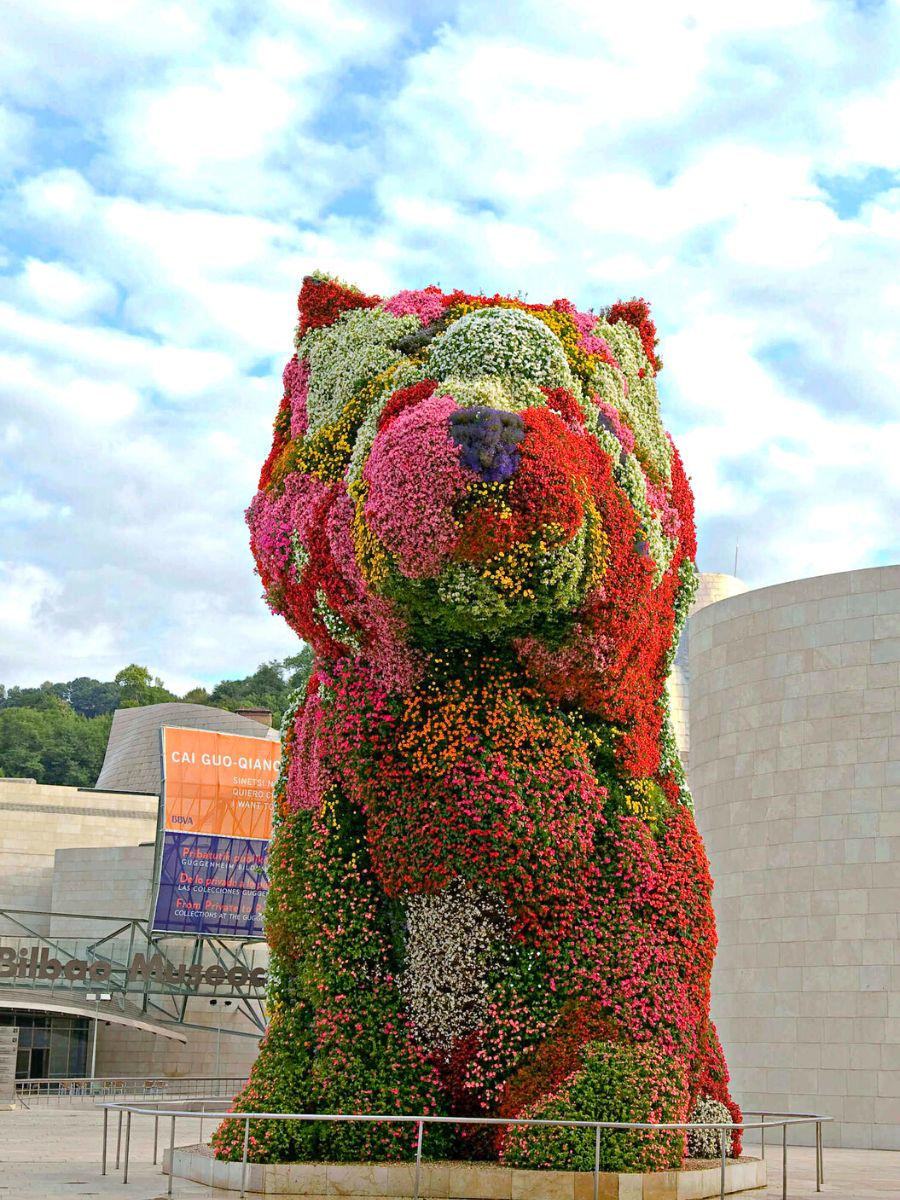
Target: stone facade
<point>795,771</point>
<point>36,820</point>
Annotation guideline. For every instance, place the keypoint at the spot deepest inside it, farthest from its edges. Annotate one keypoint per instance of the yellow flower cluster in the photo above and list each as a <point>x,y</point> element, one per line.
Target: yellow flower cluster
<point>597,548</point>
<point>370,554</point>
<point>644,798</point>
<point>327,452</point>
<point>482,493</point>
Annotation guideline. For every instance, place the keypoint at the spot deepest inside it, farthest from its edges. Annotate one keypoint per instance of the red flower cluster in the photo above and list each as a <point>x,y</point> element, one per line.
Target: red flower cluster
<point>321,302</point>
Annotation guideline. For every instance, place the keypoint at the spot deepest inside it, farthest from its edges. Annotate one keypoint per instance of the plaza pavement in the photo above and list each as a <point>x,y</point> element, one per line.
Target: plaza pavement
<point>54,1153</point>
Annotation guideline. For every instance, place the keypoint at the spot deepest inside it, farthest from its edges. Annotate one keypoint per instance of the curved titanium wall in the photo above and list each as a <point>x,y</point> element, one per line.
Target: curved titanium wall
<point>795,771</point>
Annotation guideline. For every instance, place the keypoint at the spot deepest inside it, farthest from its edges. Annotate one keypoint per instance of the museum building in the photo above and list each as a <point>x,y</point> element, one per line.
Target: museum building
<point>91,989</point>
<point>786,705</point>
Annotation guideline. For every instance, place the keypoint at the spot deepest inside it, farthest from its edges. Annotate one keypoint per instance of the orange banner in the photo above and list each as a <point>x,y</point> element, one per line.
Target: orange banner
<point>219,783</point>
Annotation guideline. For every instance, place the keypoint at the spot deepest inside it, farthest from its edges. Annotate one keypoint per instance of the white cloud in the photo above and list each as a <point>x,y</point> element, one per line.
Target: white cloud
<point>184,164</point>
<point>57,289</point>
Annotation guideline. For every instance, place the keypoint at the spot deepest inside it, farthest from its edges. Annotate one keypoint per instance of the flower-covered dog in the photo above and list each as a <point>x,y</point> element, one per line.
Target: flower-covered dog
<point>488,894</point>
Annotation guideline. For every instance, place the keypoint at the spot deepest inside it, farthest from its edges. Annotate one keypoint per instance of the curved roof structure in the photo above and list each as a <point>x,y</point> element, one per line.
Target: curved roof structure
<point>132,761</point>
<point>116,1013</point>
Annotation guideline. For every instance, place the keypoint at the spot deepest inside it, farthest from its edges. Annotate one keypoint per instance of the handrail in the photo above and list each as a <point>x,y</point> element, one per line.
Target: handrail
<point>164,1108</point>
<point>67,1088</point>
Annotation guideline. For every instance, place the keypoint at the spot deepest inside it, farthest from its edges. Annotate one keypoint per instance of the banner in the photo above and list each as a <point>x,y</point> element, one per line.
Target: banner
<point>216,817</point>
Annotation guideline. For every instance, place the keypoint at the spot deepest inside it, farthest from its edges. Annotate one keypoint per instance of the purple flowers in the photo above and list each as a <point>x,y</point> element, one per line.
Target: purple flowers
<point>489,441</point>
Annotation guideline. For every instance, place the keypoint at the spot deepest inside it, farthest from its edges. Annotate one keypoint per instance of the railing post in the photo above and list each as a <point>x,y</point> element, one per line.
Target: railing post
<point>819,1173</point>
<point>171,1157</point>
<point>784,1161</point>
<point>155,1137</point>
<point>244,1158</point>
<point>762,1134</point>
<point>421,1130</point>
<point>127,1145</point>
<point>722,1171</point>
<point>597,1163</point>
<point>119,1140</point>
<point>105,1134</point>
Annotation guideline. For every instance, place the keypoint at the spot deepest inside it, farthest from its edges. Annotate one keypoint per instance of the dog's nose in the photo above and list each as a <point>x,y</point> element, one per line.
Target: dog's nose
<point>489,439</point>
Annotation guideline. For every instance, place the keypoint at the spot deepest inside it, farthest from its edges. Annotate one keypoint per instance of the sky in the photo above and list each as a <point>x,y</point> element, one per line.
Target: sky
<point>170,171</point>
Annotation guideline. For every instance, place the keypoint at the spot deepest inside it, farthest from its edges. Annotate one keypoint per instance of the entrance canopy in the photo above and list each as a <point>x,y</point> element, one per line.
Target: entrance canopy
<point>115,1012</point>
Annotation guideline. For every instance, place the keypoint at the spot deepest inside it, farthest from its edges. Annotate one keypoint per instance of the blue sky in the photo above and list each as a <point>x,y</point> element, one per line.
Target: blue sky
<point>170,171</point>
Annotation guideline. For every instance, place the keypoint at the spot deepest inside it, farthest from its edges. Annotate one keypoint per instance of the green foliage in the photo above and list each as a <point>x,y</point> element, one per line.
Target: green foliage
<point>138,687</point>
<point>57,733</point>
<point>270,685</point>
<point>280,1083</point>
<point>52,743</point>
<point>616,1082</point>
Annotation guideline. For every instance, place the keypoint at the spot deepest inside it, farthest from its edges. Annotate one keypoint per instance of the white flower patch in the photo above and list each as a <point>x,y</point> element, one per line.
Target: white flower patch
<point>640,408</point>
<point>500,341</point>
<point>454,941</point>
<point>347,355</point>
<point>299,554</point>
<point>706,1143</point>
<point>609,384</point>
<point>509,393</point>
<point>625,342</point>
<point>334,622</point>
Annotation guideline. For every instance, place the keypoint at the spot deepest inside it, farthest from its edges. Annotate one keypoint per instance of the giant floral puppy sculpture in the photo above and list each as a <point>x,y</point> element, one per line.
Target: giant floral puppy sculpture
<point>488,893</point>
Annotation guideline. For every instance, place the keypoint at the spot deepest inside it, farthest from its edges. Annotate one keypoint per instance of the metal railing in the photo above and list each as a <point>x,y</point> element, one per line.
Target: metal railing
<point>781,1121</point>
<point>141,1087</point>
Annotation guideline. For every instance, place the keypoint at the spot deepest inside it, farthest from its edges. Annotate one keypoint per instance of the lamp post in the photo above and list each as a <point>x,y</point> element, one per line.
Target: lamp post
<point>96,997</point>
<point>215,1004</point>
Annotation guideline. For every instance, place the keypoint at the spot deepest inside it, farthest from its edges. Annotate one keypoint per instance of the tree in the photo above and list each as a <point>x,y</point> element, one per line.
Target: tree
<point>52,744</point>
<point>138,687</point>
<point>90,697</point>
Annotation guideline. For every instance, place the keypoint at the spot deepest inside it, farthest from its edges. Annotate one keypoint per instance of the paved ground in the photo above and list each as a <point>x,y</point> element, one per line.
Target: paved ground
<point>54,1153</point>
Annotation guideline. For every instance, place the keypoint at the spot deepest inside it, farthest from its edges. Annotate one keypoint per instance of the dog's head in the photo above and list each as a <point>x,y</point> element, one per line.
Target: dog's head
<point>457,474</point>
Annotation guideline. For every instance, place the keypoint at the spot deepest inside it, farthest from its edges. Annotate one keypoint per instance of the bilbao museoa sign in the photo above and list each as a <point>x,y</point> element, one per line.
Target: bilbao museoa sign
<point>37,964</point>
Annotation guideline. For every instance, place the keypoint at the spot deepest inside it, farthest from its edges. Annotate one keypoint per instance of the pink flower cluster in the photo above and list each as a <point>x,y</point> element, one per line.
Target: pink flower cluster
<point>426,305</point>
<point>296,388</point>
<point>415,477</point>
<point>612,419</point>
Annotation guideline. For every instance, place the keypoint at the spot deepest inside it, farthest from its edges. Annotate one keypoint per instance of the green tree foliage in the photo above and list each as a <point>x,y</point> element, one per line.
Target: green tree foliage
<point>138,687</point>
<point>57,733</point>
<point>52,744</point>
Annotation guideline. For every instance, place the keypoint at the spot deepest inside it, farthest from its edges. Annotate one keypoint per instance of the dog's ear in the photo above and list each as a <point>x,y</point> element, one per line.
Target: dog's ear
<point>636,313</point>
<point>323,299</point>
